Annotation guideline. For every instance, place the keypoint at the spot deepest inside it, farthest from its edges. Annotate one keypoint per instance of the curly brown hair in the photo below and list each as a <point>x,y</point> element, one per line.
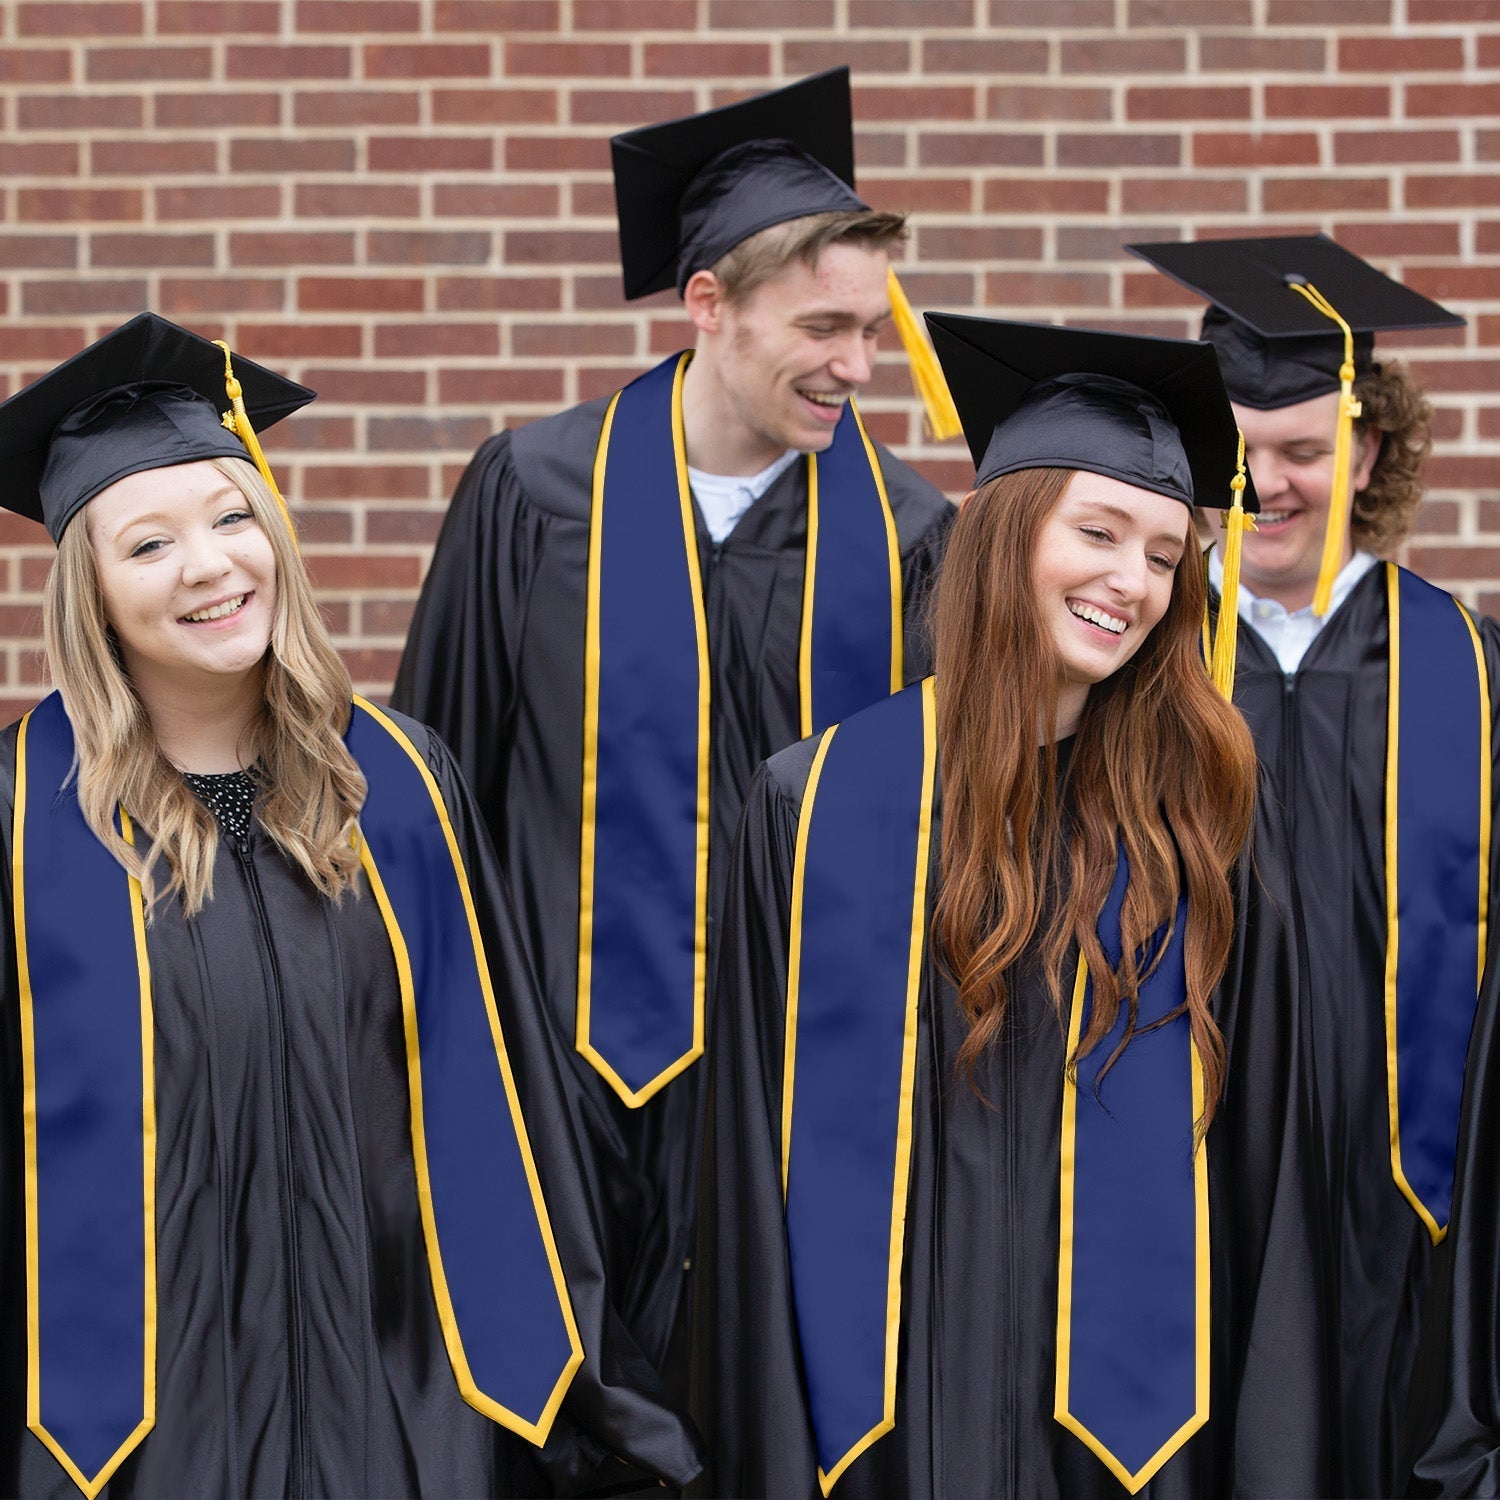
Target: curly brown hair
<point>1385,510</point>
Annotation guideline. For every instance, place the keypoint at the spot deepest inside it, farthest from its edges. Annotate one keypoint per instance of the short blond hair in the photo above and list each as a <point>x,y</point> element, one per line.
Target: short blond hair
<point>756,260</point>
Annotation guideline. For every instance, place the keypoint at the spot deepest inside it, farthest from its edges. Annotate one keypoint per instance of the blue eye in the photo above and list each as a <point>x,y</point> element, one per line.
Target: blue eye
<point>234,517</point>
<point>146,548</point>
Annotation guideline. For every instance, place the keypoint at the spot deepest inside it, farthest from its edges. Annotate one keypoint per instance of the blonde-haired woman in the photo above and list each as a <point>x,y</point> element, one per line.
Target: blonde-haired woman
<point>287,1163</point>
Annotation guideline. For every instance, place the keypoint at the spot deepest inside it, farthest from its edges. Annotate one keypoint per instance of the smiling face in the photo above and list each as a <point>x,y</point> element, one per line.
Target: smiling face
<point>787,356</point>
<point>1103,569</point>
<point>1289,453</point>
<point>188,577</point>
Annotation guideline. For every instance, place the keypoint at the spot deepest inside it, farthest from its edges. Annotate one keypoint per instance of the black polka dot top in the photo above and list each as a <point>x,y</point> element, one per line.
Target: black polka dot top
<point>229,796</point>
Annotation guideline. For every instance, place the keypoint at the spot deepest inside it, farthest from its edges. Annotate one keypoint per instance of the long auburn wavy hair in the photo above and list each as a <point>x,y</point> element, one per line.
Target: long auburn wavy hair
<point>1162,767</point>
<point>309,788</point>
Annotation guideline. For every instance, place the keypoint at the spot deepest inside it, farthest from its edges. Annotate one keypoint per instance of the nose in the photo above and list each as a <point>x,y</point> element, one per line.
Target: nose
<point>1130,574</point>
<point>1267,473</point>
<point>204,558</point>
<point>853,360</point>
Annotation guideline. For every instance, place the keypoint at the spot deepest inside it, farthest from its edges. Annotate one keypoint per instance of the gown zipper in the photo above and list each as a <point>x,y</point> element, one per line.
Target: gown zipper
<point>300,1481</point>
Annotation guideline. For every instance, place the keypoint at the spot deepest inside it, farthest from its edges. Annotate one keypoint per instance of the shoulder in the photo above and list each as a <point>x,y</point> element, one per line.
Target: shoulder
<point>919,507</point>
<point>427,743</point>
<point>553,459</point>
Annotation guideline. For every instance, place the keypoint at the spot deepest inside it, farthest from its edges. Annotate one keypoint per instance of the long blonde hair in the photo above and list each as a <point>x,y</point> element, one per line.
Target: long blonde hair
<point>309,788</point>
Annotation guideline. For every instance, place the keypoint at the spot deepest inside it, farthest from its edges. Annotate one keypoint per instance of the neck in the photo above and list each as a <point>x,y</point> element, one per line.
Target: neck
<point>1071,696</point>
<point>1291,594</point>
<point>718,440</point>
<point>205,724</point>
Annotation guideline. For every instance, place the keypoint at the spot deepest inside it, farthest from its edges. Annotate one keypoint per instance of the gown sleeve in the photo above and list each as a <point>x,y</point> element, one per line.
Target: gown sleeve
<point>747,1379</point>
<point>616,1407</point>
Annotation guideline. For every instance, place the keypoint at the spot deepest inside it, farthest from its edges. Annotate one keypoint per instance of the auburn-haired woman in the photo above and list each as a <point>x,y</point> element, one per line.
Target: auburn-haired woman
<point>1013,1191</point>
<point>288,1182</point>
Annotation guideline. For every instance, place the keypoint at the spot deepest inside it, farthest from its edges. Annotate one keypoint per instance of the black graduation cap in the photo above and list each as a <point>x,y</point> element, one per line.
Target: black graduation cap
<point>147,396</point>
<point>690,190</point>
<point>1275,347</point>
<point>1151,412</point>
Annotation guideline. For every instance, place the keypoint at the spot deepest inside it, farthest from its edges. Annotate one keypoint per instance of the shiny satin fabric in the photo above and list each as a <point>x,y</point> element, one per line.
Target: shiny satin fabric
<point>977,1354</point>
<point>299,1347</point>
<point>495,663</point>
<point>1322,735</point>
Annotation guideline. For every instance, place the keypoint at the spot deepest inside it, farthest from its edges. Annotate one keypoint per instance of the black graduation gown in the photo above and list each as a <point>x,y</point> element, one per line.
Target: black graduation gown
<point>1322,733</point>
<point>494,663</point>
<point>975,1385</point>
<point>299,1350</point>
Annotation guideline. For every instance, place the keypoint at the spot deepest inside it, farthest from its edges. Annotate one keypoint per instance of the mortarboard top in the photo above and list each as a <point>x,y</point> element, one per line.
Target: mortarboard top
<point>1151,412</point>
<point>147,396</point>
<point>1275,347</point>
<point>690,190</point>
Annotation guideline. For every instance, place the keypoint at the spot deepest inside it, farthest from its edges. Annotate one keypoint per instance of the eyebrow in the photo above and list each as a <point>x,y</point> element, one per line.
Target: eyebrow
<point>842,316</point>
<point>1120,513</point>
<point>159,518</point>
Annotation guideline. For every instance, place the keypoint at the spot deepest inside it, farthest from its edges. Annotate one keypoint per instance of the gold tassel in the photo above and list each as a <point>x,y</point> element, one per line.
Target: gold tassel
<point>1343,442</point>
<point>926,372</point>
<point>237,420</point>
<point>1236,522</point>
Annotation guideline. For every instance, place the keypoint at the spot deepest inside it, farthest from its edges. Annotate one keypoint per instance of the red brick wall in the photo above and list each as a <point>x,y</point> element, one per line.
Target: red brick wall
<point>406,204</point>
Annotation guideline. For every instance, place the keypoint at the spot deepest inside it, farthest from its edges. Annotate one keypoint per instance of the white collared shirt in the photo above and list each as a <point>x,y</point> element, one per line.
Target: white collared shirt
<point>1290,632</point>
<point>724,498</point>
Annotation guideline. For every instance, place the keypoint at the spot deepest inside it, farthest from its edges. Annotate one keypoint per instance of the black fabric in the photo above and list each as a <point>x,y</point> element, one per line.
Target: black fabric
<point>299,1351</point>
<point>975,1388</point>
<point>494,662</point>
<point>1267,374</point>
<point>1322,732</point>
<point>146,396</point>
<point>228,795</point>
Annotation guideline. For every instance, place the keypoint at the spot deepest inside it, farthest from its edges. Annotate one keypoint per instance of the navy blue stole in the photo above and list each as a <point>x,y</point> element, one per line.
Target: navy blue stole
<point>90,1144</point>
<point>643,868</point>
<point>1437,867</point>
<point>1132,1369</point>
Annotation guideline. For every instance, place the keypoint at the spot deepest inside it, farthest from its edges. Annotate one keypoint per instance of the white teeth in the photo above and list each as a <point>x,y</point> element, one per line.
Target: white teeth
<point>1273,517</point>
<point>830,401</point>
<point>1096,616</point>
<point>217,611</point>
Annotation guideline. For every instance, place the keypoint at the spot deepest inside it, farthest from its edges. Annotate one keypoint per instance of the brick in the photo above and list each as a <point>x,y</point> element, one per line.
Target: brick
<point>567,60</point>
<point>80,111</point>
<point>367,386</point>
<point>38,159</point>
<point>1318,101</point>
<point>300,340</point>
<point>988,55</point>
<point>424,435</point>
<point>1255,149</point>
<point>596,200</point>
<point>431,153</point>
<point>627,107</point>
<point>353,570</point>
<point>387,527</point>
<point>357,107</point>
<point>490,386</point>
<point>75,298</point>
<point>287,61</point>
<point>418,340</point>
<point>1262,54</point>
<point>1488,52</point>
<point>1123,56</point>
<point>1458,191</point>
<point>359,294</point>
<point>1451,471</point>
<point>549,247</point>
<point>218,17</point>
<point>1431,12</point>
<point>1094,14</point>
<point>1077,242</point>
<point>1455,562</point>
<point>51,344</point>
<point>1150,289</point>
<point>1452,100</point>
<point>1044,289</point>
<point>183,297</point>
<point>933,288</point>
<point>149,251</point>
<point>1411,237</point>
<point>552,153</point>
<point>136,157</point>
<point>34,65</point>
<point>386,617</point>
<point>1119,149</point>
<point>143,64</point>
<point>327,527</point>
<point>211,201</point>
<point>1445,282</point>
<point>1400,54</point>
<point>885,13</point>
<point>923,193</point>
<point>1046,195</point>
<point>281,154</point>
<point>544,340</point>
<point>979,149</point>
<point>1025,102</point>
<point>357,200</point>
<point>873,148</point>
<point>217,108</point>
<point>81,18</point>
<point>1193,13</point>
<point>286,247</point>
<point>1436,517</point>
<point>497,200</point>
<point>374,16</point>
<point>770,15</point>
<point>500,16</point>
<point>1329,13</point>
<point>431,247</point>
<point>427,60</point>
<point>703,59</point>
<point>494,106</point>
<point>1187,103</point>
<point>498,293</point>
<point>862,56</point>
<point>1314,194</point>
<point>77,205</point>
<point>1392,147</point>
<point>37,252</point>
<point>305,433</point>
<point>894,103</point>
<point>365,482</point>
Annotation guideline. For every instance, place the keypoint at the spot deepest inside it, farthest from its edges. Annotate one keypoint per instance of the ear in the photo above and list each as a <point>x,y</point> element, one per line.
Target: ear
<point>703,298</point>
<point>1367,443</point>
<point>967,498</point>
